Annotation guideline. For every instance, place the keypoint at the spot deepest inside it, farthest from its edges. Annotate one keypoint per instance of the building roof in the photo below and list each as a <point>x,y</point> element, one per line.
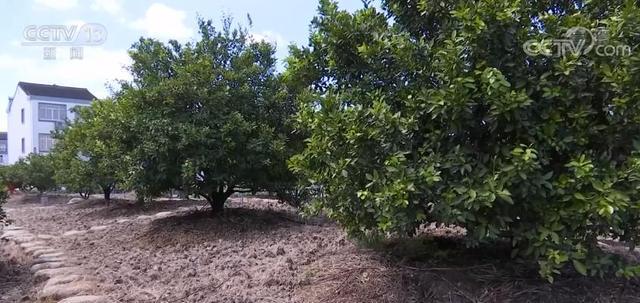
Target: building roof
<point>3,136</point>
<point>36,89</point>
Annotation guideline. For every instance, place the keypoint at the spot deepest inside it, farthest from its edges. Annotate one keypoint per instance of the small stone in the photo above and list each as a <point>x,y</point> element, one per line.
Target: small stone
<point>62,291</point>
<point>33,249</point>
<point>163,214</point>
<point>40,260</point>
<point>23,239</point>
<point>63,279</point>
<point>75,200</point>
<point>52,272</point>
<point>32,244</point>
<point>50,254</point>
<point>280,251</point>
<point>13,227</point>
<point>72,233</point>
<point>49,265</point>
<point>98,228</point>
<point>85,299</point>
<point>45,237</point>
<point>46,251</point>
<point>14,233</point>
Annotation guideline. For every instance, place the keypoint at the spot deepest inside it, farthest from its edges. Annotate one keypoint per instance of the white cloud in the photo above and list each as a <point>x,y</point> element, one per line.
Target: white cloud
<point>269,36</point>
<point>77,23</point>
<point>57,4</point>
<point>112,7</point>
<point>163,22</point>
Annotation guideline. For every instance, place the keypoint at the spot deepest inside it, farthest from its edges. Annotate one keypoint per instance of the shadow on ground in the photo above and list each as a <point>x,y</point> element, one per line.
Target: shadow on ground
<point>428,269</point>
<point>235,223</point>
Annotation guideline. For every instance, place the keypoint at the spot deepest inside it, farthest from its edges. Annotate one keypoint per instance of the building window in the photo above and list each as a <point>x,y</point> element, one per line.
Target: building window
<point>22,116</point>
<point>52,112</point>
<point>45,142</point>
<point>22,144</point>
<point>3,147</point>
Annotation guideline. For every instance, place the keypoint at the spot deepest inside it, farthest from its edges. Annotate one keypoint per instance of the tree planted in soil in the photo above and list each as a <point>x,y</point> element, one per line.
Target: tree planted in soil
<point>37,172</point>
<point>86,153</point>
<point>432,111</point>
<point>210,115</point>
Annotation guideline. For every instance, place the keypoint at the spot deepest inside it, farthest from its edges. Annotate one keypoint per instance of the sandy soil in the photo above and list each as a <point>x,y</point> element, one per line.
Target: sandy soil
<point>261,251</point>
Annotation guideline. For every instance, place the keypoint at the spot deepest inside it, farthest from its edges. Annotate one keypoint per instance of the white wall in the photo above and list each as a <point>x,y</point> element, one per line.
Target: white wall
<point>32,127</point>
<point>46,127</point>
<point>16,130</point>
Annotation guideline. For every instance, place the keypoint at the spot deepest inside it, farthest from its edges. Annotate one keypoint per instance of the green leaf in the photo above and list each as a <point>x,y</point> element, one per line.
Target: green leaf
<point>472,194</point>
<point>505,195</point>
<point>579,196</point>
<point>580,267</point>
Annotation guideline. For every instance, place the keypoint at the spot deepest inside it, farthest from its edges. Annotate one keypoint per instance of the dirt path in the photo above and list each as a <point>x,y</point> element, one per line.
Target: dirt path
<point>260,251</point>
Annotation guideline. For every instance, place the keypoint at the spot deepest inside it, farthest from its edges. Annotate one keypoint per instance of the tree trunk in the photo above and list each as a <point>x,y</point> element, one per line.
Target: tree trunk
<point>217,200</point>
<point>107,193</point>
<point>140,199</point>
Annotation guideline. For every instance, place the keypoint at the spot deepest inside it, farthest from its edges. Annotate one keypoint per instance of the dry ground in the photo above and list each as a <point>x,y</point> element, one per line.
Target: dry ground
<point>16,284</point>
<point>260,251</point>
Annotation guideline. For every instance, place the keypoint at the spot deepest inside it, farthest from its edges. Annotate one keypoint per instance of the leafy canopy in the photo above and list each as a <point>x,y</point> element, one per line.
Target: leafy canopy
<point>86,155</point>
<point>430,111</point>
<point>207,117</point>
<point>35,171</point>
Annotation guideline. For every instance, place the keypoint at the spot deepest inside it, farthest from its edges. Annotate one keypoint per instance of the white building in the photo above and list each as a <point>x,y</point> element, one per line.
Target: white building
<point>34,111</point>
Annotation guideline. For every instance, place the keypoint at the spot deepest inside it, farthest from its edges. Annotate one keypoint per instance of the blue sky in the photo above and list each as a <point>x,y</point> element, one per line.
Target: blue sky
<point>279,21</point>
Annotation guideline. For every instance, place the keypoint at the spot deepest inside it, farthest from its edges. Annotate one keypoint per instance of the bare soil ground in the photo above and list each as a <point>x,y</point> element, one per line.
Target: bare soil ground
<point>16,284</point>
<point>261,251</point>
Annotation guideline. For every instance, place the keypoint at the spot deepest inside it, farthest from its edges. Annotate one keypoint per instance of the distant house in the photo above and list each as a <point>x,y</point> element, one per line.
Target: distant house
<point>4,157</point>
<point>34,111</point>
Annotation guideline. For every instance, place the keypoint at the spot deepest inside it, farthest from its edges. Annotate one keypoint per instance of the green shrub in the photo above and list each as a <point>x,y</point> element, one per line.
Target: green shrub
<point>431,111</point>
<point>35,171</point>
